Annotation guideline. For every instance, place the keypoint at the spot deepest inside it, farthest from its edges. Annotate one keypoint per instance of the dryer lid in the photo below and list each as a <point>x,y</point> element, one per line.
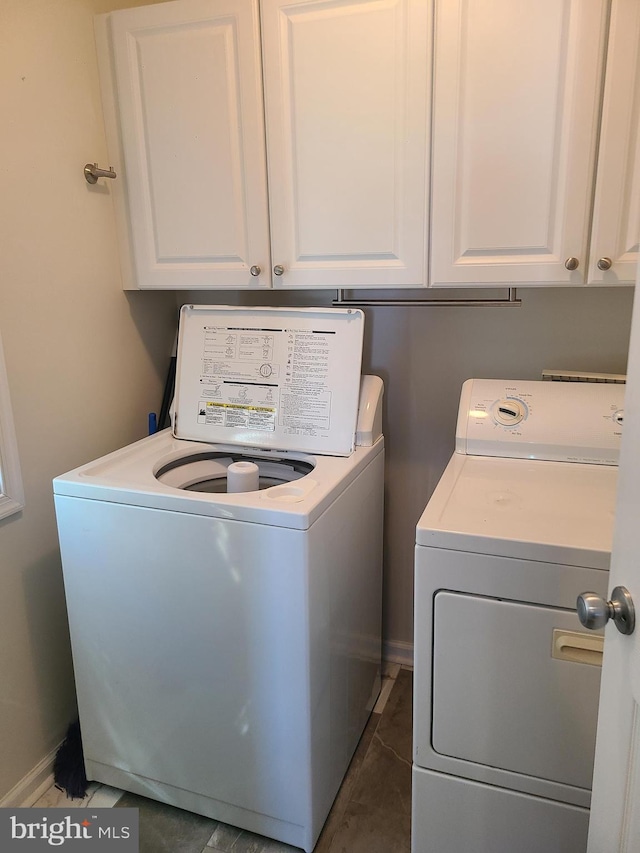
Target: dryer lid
<point>276,378</point>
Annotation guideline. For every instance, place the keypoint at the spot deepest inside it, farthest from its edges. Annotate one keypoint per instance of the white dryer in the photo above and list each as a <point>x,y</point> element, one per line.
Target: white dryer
<point>227,645</point>
<point>506,679</point>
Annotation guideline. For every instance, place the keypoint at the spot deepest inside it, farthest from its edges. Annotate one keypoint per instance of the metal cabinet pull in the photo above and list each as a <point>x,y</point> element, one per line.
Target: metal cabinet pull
<point>278,269</point>
<point>255,270</point>
<point>604,264</point>
<point>572,264</point>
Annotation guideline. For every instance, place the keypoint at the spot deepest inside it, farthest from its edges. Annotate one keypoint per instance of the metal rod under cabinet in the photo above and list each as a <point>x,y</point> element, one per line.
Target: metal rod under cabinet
<point>511,300</point>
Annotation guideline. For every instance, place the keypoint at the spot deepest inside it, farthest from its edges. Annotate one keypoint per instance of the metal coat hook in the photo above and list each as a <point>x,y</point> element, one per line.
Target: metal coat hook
<point>92,172</point>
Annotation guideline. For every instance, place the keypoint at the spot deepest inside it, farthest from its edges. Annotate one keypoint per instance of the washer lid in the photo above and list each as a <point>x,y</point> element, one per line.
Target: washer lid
<point>279,378</point>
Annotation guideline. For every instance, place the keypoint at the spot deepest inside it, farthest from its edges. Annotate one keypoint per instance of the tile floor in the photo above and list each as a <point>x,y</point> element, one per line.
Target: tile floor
<point>371,814</point>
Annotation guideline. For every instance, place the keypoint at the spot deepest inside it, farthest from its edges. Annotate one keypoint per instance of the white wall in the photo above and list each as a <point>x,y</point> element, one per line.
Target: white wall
<point>85,361</point>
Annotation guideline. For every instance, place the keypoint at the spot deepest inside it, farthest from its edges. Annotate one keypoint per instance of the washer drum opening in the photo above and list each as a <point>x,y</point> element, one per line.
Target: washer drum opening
<point>207,472</point>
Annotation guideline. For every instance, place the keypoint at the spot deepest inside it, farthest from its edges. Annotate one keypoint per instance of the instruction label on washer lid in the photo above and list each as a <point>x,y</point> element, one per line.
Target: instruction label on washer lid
<point>287,378</point>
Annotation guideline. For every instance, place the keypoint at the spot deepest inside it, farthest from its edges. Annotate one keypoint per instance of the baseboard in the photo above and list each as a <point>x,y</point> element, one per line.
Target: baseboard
<point>395,651</point>
<point>31,787</point>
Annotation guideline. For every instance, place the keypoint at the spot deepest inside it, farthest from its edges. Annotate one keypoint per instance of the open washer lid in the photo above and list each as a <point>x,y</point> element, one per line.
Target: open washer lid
<point>277,378</point>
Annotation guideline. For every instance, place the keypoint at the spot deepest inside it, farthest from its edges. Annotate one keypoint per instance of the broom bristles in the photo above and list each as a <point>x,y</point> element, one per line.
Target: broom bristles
<point>68,766</point>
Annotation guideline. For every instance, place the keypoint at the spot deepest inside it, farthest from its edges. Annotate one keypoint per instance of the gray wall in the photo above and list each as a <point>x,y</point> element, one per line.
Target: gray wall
<point>425,354</point>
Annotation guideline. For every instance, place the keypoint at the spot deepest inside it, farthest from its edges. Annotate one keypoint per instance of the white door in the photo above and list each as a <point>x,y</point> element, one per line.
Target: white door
<point>346,105</point>
<point>189,102</point>
<point>615,811</point>
<point>616,215</point>
<point>516,117</point>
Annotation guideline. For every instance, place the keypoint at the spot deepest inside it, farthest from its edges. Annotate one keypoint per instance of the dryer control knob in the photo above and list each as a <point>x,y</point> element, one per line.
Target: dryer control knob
<point>508,412</point>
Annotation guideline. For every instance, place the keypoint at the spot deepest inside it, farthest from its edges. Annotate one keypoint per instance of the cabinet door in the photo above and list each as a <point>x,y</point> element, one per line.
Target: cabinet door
<point>346,102</point>
<point>516,116</point>
<point>616,220</point>
<point>189,103</point>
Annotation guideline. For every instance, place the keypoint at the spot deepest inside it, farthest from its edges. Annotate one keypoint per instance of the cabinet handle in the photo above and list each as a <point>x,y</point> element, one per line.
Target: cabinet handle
<point>604,264</point>
<point>278,269</point>
<point>572,264</point>
<point>255,270</point>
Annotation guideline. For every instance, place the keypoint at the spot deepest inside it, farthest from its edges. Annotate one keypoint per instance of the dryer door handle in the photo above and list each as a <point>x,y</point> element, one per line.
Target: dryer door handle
<point>577,647</point>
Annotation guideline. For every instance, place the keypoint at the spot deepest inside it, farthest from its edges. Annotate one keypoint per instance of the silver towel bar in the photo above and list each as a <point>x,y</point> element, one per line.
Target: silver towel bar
<point>511,300</point>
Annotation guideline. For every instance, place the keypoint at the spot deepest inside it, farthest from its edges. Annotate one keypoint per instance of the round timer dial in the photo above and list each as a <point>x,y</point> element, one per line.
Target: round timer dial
<point>508,411</point>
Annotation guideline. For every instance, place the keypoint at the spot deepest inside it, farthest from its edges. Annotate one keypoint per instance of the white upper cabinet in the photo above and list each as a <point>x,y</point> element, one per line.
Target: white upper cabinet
<point>346,113</point>
<point>614,252</point>
<point>191,169</point>
<point>517,137</point>
<point>346,92</point>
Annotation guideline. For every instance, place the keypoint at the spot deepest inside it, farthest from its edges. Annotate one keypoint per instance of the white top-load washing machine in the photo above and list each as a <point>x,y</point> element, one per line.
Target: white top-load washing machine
<point>227,643</point>
<point>506,679</point>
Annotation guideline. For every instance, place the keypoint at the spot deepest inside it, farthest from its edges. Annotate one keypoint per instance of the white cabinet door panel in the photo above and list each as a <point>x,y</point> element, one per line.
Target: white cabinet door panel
<point>189,93</point>
<point>346,100</point>
<point>516,112</point>
<point>616,223</point>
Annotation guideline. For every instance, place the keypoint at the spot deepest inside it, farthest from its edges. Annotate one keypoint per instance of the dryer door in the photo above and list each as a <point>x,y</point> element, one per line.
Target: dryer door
<point>515,687</point>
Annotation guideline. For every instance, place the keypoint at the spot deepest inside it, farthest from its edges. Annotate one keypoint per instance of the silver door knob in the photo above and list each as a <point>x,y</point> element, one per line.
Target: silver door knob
<point>255,270</point>
<point>572,264</point>
<point>604,264</point>
<point>594,612</point>
<point>278,269</point>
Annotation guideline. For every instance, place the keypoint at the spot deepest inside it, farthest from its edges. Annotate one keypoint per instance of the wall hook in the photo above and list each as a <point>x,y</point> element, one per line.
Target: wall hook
<point>92,172</point>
